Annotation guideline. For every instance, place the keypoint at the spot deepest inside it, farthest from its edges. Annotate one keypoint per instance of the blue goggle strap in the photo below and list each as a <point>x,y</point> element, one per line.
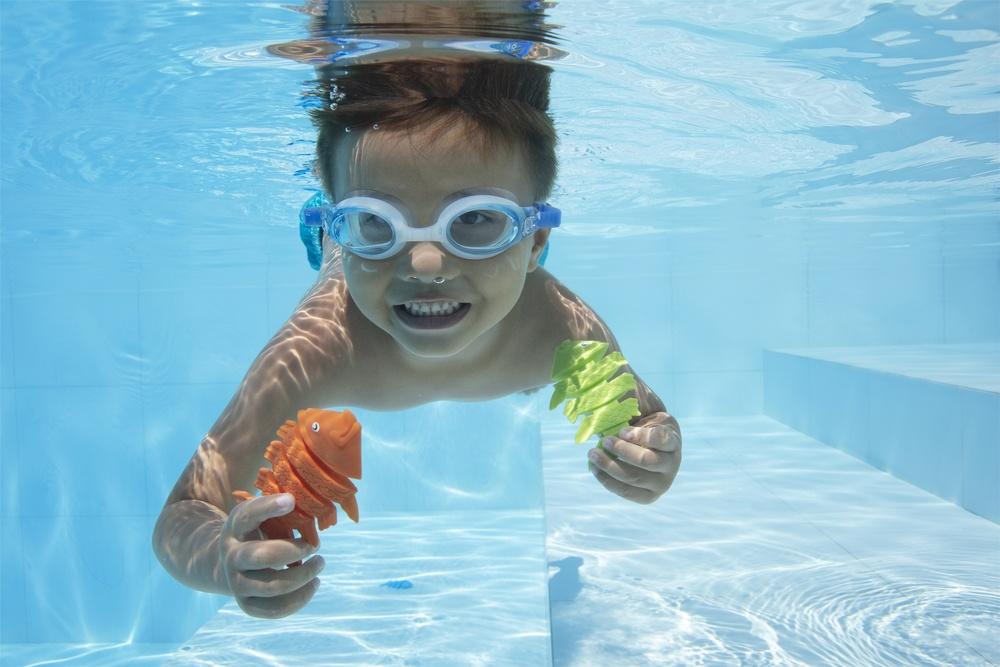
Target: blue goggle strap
<point>311,228</point>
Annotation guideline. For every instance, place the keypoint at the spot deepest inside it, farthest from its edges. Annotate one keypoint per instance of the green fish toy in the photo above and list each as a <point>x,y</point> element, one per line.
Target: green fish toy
<point>582,374</point>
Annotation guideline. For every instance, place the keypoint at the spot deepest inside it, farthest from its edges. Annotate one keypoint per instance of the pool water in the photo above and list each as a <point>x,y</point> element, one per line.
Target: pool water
<point>785,211</point>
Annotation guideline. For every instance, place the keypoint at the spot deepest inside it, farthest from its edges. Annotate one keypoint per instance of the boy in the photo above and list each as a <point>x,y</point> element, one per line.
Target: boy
<point>390,326</point>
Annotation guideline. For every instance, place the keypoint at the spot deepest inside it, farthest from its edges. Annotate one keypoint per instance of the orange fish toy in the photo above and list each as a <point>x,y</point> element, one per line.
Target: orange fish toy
<point>312,460</point>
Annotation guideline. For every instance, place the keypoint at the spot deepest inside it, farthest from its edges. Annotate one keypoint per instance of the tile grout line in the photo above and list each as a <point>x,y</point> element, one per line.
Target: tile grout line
<point>17,468</point>
<point>142,425</point>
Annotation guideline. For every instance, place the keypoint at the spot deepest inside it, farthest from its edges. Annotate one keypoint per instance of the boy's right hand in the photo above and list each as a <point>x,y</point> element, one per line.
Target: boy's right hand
<point>253,564</point>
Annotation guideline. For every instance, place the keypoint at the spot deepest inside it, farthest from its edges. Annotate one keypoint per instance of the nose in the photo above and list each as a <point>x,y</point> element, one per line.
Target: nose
<point>427,261</point>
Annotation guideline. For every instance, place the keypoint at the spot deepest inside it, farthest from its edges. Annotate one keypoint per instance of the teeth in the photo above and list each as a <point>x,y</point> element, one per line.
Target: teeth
<point>436,308</point>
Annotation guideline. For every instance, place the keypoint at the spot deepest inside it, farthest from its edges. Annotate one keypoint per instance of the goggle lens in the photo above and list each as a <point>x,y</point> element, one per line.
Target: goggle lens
<point>481,228</point>
<point>367,228</point>
<point>368,232</point>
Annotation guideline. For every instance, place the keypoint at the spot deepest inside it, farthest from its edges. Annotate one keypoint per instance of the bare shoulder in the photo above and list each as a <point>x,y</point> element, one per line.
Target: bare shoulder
<point>567,315</point>
<point>572,318</point>
<point>555,313</point>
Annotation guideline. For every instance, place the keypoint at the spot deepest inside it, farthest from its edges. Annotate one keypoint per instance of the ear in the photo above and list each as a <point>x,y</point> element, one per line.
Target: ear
<point>540,238</point>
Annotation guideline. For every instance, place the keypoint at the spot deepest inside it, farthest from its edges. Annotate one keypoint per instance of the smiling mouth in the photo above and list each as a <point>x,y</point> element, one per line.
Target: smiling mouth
<point>439,317</point>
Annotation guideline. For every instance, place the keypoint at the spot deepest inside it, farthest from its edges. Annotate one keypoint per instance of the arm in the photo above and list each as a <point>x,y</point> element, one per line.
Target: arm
<point>186,536</point>
<point>651,408</point>
<point>578,321</point>
<point>293,371</point>
<point>652,411</point>
<point>641,462</point>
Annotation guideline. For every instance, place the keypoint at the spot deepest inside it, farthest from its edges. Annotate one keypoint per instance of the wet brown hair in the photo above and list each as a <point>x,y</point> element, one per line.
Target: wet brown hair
<point>498,104</point>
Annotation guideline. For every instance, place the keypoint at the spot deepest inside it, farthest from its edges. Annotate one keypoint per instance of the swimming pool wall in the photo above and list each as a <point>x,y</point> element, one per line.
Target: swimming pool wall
<point>131,305</point>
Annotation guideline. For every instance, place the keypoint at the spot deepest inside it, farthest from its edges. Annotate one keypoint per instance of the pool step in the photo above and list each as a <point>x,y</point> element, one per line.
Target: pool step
<point>927,414</point>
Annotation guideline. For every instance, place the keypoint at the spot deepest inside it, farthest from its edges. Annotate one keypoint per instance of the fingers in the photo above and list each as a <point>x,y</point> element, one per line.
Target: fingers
<point>275,554</point>
<point>661,437</point>
<point>625,472</point>
<point>271,583</point>
<point>629,481</point>
<point>626,491</point>
<point>248,515</point>
<point>637,455</point>
<point>281,605</point>
<point>255,568</point>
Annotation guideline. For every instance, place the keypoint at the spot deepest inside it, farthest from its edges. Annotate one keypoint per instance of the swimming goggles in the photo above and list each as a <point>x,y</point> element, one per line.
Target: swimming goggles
<point>472,227</point>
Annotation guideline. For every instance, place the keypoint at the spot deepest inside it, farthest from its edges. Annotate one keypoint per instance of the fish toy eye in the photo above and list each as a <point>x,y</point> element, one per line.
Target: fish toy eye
<point>315,427</point>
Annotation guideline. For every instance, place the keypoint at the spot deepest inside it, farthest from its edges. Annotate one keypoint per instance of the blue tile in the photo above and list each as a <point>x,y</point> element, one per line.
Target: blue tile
<point>747,247</point>
<point>176,255</point>
<point>662,385</point>
<point>981,454</point>
<point>101,350</point>
<point>963,240</point>
<point>95,264</point>
<point>573,258</point>
<point>890,429</point>
<point>197,336</point>
<point>797,392</point>
<point>177,417</point>
<point>12,626</point>
<point>287,265</point>
<point>456,561</point>
<point>176,612</point>
<point>837,396</point>
<point>174,268</point>
<point>971,291</point>
<point>637,310</point>
<point>917,426</point>
<point>785,378</point>
<point>777,376</point>
<point>709,394</point>
<point>889,297</point>
<point>7,353</point>
<point>814,414</point>
<point>80,452</point>
<point>291,272</point>
<point>86,578</point>
<point>9,468</point>
<point>722,320</point>
<point>282,300</point>
<point>938,463</point>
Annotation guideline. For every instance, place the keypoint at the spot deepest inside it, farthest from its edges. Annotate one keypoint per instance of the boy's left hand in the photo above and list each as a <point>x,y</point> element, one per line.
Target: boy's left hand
<point>641,462</point>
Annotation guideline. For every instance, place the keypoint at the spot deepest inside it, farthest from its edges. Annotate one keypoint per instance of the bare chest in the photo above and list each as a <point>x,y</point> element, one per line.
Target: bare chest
<point>398,389</point>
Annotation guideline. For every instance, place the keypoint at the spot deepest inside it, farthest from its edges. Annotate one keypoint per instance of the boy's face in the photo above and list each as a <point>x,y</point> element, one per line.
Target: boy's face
<point>421,175</point>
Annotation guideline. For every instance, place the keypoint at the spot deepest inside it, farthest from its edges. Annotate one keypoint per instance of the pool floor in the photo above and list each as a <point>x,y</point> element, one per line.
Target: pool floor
<point>770,549</point>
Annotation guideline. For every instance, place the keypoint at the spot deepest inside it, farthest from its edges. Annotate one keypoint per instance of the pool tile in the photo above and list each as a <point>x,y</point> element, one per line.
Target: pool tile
<point>717,392</point>
<point>101,351</point>
<point>65,454</point>
<point>177,417</point>
<point>208,335</point>
<point>12,626</point>
<point>708,337</point>
<point>86,576</point>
